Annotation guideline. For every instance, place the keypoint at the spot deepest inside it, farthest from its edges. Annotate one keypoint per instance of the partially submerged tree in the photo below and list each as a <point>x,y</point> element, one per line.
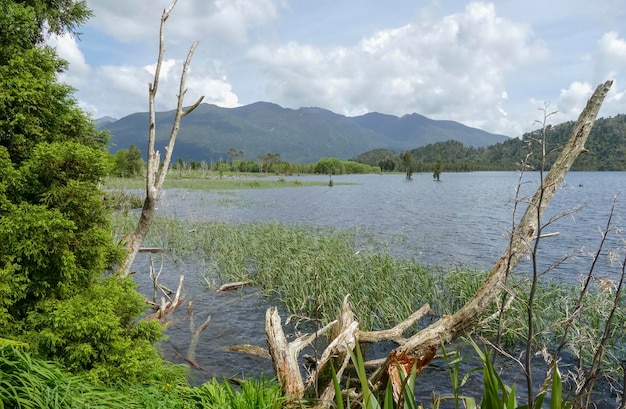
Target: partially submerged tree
<point>438,168</point>
<point>157,170</point>
<point>407,161</point>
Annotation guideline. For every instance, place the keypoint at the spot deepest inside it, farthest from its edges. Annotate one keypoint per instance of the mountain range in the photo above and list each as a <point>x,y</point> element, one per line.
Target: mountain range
<point>302,135</point>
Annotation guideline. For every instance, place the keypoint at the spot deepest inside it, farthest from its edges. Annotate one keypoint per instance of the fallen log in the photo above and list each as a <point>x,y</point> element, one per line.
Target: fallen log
<point>237,285</point>
<point>421,345</point>
<point>418,350</point>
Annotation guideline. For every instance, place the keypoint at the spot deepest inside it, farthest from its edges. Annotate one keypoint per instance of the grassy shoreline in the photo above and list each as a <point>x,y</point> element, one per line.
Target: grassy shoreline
<point>215,182</point>
<point>310,270</point>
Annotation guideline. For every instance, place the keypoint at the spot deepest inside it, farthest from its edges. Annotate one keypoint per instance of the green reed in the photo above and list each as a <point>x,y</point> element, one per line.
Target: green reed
<point>28,382</point>
<point>311,269</point>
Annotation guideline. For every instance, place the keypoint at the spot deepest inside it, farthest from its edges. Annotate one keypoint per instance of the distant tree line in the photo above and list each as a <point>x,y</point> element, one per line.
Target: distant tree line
<point>606,152</point>
<point>129,163</point>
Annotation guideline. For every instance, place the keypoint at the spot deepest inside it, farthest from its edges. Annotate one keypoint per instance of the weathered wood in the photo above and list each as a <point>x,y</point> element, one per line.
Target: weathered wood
<point>395,333</point>
<point>237,285</point>
<point>343,338</point>
<point>156,172</point>
<point>450,327</point>
<point>193,344</point>
<point>167,307</point>
<point>285,355</point>
<point>418,350</point>
<point>151,249</point>
<point>250,349</point>
<point>284,358</point>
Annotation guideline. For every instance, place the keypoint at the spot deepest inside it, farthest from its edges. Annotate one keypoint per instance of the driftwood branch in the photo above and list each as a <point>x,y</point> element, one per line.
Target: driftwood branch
<point>450,327</point>
<point>395,333</point>
<point>418,350</point>
<point>167,307</point>
<point>236,285</point>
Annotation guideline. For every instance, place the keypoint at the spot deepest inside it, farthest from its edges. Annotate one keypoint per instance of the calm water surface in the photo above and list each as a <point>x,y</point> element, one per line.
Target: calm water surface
<point>462,220</point>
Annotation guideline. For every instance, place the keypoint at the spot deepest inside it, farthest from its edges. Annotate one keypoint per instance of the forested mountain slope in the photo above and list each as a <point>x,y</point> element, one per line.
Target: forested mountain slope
<point>302,135</point>
<point>606,150</point>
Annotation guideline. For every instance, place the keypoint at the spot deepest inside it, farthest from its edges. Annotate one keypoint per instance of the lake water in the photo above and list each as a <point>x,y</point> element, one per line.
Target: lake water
<point>462,220</point>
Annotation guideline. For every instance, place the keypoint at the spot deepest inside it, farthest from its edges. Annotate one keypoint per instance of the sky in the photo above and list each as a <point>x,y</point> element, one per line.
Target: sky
<point>497,66</point>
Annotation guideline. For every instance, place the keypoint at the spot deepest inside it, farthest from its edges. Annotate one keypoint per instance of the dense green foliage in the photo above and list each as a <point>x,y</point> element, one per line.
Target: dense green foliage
<point>127,162</point>
<point>606,151</point>
<point>274,166</point>
<point>310,270</point>
<point>55,229</point>
<point>29,382</point>
<point>334,166</point>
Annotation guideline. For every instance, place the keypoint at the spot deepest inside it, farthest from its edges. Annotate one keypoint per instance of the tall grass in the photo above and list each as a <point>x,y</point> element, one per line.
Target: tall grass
<point>27,382</point>
<point>311,269</point>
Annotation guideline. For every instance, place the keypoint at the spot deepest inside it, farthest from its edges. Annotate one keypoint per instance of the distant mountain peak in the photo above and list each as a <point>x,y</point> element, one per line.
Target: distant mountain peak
<point>303,135</point>
<point>104,120</point>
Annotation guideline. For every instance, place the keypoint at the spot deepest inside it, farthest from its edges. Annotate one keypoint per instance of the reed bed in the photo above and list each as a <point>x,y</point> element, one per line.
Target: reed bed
<point>310,270</point>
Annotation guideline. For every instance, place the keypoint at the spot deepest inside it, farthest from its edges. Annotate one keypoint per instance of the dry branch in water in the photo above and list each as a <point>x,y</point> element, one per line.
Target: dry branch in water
<point>419,349</point>
<point>165,308</point>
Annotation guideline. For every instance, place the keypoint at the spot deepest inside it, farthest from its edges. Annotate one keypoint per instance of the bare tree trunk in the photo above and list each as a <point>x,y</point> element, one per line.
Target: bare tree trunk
<point>450,327</point>
<point>156,170</point>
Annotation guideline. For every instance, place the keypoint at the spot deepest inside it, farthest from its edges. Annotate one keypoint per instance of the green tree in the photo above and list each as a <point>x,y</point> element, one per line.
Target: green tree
<point>407,162</point>
<point>329,166</point>
<point>57,17</point>
<point>55,233</point>
<point>135,162</point>
<point>128,162</point>
<point>438,168</point>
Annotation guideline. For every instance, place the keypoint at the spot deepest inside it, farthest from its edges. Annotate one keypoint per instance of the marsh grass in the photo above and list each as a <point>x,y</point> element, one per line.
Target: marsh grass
<point>213,183</point>
<point>310,270</point>
<point>122,200</point>
<point>26,382</point>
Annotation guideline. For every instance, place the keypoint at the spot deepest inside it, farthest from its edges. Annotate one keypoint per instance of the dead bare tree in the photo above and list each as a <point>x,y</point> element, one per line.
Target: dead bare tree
<point>157,171</point>
<point>418,350</point>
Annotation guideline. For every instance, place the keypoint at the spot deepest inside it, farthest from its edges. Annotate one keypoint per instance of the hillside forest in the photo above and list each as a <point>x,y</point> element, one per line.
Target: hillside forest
<point>606,151</point>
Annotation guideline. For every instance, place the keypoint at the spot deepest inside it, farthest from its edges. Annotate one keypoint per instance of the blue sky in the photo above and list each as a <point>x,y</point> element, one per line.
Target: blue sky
<point>492,65</point>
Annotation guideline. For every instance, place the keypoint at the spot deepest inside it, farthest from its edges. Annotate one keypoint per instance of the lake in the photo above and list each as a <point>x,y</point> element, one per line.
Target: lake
<point>462,220</point>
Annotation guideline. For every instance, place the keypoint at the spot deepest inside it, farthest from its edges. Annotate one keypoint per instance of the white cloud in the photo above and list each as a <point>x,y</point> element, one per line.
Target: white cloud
<point>478,65</point>
<point>573,99</point>
<point>121,90</point>
<point>67,48</point>
<point>611,56</point>
<point>214,20</point>
<point>452,68</point>
<point>611,45</point>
